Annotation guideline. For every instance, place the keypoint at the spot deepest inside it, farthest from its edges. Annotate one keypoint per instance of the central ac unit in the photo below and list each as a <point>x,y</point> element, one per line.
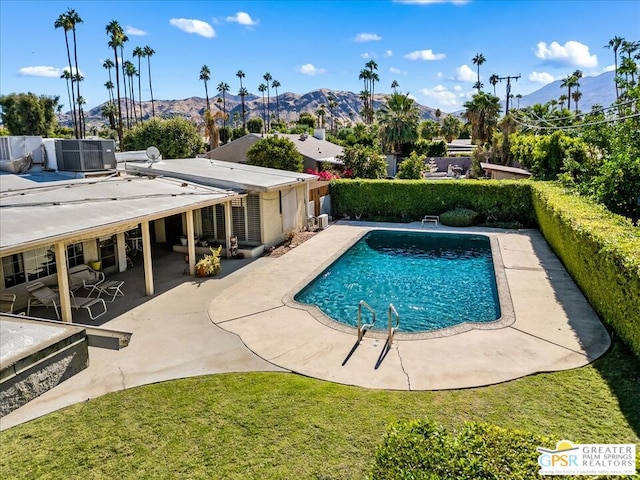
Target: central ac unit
<point>323,221</point>
<point>85,155</point>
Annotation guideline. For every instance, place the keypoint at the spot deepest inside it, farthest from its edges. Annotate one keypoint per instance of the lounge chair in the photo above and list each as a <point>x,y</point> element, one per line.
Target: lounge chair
<point>83,276</point>
<point>43,296</point>
<point>7,300</point>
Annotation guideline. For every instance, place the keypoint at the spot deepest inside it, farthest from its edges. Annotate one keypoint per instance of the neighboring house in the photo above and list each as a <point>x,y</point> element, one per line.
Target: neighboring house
<point>501,172</point>
<point>275,201</point>
<point>315,150</point>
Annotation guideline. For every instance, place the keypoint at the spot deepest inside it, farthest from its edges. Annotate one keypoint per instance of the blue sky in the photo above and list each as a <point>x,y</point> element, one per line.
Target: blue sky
<point>426,45</point>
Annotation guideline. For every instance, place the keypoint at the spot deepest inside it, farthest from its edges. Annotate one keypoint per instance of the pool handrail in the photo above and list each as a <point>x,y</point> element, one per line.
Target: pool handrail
<point>361,326</point>
<point>390,313</point>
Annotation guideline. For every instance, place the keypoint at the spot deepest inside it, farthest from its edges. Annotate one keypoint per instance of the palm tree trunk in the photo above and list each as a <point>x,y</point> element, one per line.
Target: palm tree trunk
<point>73,95</point>
<point>153,109</point>
<point>120,133</point>
<point>75,54</point>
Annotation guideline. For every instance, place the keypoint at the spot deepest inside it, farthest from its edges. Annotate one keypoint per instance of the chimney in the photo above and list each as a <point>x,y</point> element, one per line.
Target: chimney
<point>319,133</point>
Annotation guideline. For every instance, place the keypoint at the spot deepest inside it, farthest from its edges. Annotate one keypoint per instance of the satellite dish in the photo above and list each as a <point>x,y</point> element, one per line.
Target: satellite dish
<point>153,153</point>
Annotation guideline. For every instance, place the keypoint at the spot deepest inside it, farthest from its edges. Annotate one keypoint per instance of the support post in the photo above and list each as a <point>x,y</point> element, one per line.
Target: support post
<point>146,253</point>
<point>228,229</point>
<point>191,243</point>
<point>63,282</point>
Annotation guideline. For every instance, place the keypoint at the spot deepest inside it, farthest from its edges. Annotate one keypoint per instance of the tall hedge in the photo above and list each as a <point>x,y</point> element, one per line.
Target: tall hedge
<point>600,250</point>
<point>503,201</point>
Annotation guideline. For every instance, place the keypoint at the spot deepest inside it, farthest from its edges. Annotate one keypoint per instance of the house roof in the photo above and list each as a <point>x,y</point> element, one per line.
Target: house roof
<point>308,146</point>
<point>235,176</point>
<point>36,214</point>
<point>503,168</point>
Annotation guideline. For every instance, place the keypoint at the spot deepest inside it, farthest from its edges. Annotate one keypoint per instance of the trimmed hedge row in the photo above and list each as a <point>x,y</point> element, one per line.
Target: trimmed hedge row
<point>420,449</point>
<point>600,250</point>
<point>503,201</point>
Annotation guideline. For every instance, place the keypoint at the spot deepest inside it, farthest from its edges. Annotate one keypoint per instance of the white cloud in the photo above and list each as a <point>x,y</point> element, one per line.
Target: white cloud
<point>440,94</point>
<point>309,69</point>
<point>571,53</point>
<point>457,88</point>
<point>364,55</point>
<point>608,68</point>
<point>388,54</point>
<point>367,37</point>
<point>397,71</point>
<point>41,71</point>
<point>424,55</point>
<point>541,77</point>
<point>429,2</point>
<point>129,30</point>
<point>465,74</point>
<point>243,18</point>
<point>194,26</point>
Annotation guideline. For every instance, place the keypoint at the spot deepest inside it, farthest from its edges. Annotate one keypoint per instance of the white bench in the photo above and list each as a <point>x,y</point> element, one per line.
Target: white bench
<point>430,218</point>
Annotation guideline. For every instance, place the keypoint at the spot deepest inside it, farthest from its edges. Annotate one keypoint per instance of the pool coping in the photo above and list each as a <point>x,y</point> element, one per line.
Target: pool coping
<point>507,314</point>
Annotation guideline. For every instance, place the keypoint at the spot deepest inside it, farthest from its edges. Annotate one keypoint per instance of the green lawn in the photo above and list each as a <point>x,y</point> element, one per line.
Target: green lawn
<point>279,425</point>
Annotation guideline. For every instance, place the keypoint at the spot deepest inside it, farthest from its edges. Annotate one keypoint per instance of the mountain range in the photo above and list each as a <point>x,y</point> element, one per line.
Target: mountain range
<point>595,90</point>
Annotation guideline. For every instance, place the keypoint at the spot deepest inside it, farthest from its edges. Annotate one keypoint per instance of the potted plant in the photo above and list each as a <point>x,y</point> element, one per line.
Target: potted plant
<point>210,264</point>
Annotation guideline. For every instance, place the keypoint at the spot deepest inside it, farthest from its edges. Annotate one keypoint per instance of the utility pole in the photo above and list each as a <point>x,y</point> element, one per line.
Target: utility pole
<point>508,78</point>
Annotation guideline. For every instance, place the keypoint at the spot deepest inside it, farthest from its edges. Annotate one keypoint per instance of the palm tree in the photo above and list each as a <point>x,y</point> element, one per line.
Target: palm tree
<point>493,80</point>
<point>67,76</point>
<point>149,52</point>
<point>321,112</point>
<point>222,88</point>
<point>614,44</point>
<point>373,78</point>
<point>263,88</point>
<point>205,76</point>
<point>562,98</point>
<point>438,113</point>
<point>478,60</point>
<point>395,86</point>
<point>577,95</point>
<point>482,113</point>
<point>109,86</point>
<point>243,92</point>
<point>365,76</point>
<point>108,65</point>
<point>332,105</point>
<point>75,19</point>
<point>77,78</point>
<point>267,78</point>
<point>568,83</point>
<point>115,32</point>
<point>131,71</point>
<point>518,97</point>
<point>240,75</point>
<point>109,110</point>
<point>124,79</point>
<point>398,117</point>
<point>139,52</point>
<point>478,86</point>
<point>275,84</point>
<point>64,23</point>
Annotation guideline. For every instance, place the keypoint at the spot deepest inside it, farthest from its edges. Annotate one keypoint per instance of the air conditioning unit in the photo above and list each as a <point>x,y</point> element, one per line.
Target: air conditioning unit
<point>86,155</point>
<point>323,221</point>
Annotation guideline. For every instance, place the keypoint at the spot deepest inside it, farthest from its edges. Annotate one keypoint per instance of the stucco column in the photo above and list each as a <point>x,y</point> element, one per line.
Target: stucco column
<point>121,245</point>
<point>228,231</point>
<point>191,243</point>
<point>146,253</point>
<point>63,282</point>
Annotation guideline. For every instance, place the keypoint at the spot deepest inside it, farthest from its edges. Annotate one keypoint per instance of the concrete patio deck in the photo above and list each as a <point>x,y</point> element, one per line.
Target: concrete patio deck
<point>554,328</point>
<point>204,326</point>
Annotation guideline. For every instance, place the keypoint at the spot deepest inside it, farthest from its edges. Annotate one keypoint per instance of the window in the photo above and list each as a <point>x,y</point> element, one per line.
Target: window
<point>38,263</point>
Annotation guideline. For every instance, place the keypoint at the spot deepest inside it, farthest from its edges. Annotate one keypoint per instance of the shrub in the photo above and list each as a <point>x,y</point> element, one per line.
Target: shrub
<point>460,217</point>
<point>175,137</point>
<point>275,152</point>
<point>420,449</point>
<point>600,250</point>
<point>412,168</point>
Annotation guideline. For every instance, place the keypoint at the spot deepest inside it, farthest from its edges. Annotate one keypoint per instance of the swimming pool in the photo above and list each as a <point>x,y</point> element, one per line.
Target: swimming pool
<point>434,280</point>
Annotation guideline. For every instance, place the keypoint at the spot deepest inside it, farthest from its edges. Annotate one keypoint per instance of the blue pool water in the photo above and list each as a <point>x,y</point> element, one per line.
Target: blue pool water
<point>434,280</point>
